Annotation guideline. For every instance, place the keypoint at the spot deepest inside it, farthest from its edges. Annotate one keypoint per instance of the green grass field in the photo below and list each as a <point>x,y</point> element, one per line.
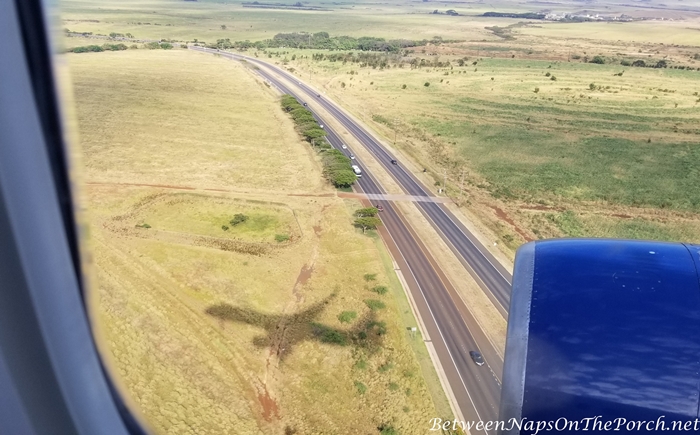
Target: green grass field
<point>214,331</point>
<point>588,140</point>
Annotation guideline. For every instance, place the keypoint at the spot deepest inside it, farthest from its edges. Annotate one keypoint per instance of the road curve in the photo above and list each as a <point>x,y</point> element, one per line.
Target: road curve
<point>476,389</point>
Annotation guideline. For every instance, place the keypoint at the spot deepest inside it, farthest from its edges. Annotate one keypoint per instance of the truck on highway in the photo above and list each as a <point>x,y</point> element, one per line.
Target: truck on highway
<point>357,170</point>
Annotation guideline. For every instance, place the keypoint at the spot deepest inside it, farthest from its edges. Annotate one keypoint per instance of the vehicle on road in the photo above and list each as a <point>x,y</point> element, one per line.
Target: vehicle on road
<point>305,104</point>
<point>379,207</point>
<point>477,358</point>
<point>344,146</point>
<point>394,162</point>
<point>318,95</point>
<point>352,156</point>
<point>357,170</point>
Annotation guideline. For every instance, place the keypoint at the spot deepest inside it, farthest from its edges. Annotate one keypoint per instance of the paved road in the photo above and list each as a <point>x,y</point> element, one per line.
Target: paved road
<point>449,326</point>
<point>493,278</point>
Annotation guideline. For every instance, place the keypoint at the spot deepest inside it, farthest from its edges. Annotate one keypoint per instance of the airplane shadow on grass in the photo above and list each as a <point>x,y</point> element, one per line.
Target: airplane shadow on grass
<point>284,331</point>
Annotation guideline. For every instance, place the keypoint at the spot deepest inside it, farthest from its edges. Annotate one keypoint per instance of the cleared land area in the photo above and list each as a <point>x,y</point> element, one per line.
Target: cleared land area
<point>289,321</point>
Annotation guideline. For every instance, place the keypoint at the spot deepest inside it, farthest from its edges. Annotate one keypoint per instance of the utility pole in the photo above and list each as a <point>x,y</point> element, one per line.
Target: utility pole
<point>461,185</point>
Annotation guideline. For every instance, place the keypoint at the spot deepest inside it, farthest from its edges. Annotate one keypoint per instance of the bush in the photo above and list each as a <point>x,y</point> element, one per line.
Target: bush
<point>536,90</point>
<point>426,84</point>
<point>238,218</point>
<point>143,226</point>
<point>387,430</point>
<point>374,304</point>
<point>361,388</point>
<point>370,277</point>
<point>347,316</point>
<point>328,335</point>
<point>380,289</point>
<point>393,386</point>
<point>224,227</point>
<point>279,238</point>
<point>403,86</point>
<point>598,59</point>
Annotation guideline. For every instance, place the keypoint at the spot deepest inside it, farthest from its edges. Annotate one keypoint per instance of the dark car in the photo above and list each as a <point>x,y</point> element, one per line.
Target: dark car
<point>394,162</point>
<point>318,95</point>
<point>379,207</point>
<point>304,104</point>
<point>477,358</point>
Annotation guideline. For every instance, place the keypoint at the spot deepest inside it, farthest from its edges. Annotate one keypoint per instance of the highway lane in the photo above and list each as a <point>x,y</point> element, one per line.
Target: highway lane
<point>476,389</point>
<point>493,278</point>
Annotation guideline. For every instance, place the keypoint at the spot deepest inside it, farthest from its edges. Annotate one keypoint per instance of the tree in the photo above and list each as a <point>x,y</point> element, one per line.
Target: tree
<point>238,218</point>
<point>343,178</point>
<point>367,223</point>
<point>366,212</point>
<point>598,59</point>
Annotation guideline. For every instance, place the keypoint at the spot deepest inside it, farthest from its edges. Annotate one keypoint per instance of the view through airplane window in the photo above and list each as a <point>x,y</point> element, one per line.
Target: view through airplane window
<point>303,215</point>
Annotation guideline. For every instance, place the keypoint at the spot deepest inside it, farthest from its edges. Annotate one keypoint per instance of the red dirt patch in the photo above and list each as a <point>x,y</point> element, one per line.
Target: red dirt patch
<point>503,216</point>
<point>269,405</point>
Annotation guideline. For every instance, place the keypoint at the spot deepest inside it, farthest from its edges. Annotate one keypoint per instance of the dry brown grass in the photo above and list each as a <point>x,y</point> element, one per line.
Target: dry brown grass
<point>194,330</point>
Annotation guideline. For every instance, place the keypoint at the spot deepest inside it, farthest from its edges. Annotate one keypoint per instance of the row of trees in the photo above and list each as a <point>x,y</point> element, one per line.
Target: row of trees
<point>337,168</point>
<point>120,47</point>
<point>323,41</point>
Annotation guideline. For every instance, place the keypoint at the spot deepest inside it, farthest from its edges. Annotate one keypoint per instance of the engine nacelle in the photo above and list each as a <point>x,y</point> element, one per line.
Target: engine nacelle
<point>603,328</point>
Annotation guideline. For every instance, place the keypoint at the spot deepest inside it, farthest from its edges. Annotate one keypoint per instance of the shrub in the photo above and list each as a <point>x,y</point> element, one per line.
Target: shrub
<point>279,238</point>
<point>380,289</point>
<point>387,430</point>
<point>393,386</point>
<point>552,78</point>
<point>536,90</point>
<point>591,86</point>
<point>598,59</point>
<point>224,227</point>
<point>374,304</point>
<point>426,84</point>
<point>361,388</point>
<point>370,277</point>
<point>328,335</point>
<point>403,86</point>
<point>347,316</point>
<point>361,364</point>
<point>238,218</point>
<point>143,226</point>
<point>548,74</point>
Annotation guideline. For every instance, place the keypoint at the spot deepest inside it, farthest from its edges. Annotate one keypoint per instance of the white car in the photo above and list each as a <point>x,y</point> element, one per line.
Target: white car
<point>345,147</point>
<point>352,156</point>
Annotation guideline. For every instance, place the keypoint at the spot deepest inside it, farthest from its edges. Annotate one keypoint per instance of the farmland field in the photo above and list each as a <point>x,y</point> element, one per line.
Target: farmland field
<point>219,324</point>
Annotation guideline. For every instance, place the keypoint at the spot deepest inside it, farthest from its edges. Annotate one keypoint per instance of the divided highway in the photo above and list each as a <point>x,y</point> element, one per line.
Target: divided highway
<point>493,278</point>
<point>449,328</point>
